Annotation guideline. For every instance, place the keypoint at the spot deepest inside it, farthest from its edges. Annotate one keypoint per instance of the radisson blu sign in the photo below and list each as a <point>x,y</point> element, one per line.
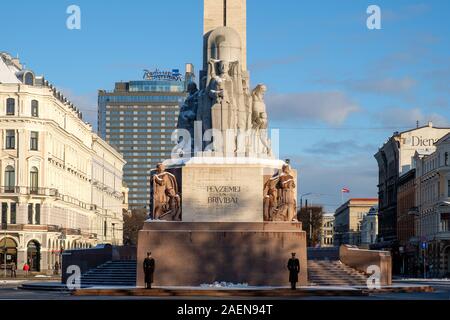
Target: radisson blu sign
<point>173,75</point>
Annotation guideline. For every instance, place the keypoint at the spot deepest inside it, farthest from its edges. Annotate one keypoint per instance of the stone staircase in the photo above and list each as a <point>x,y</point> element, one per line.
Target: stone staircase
<point>121,273</point>
<point>334,273</point>
<point>325,269</point>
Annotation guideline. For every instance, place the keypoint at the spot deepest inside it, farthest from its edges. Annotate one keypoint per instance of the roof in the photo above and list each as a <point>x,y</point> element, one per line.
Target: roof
<point>443,139</point>
<point>7,71</point>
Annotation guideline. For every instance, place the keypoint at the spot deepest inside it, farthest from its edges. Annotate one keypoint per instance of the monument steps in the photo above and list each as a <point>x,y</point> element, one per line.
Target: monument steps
<point>334,272</point>
<point>112,273</point>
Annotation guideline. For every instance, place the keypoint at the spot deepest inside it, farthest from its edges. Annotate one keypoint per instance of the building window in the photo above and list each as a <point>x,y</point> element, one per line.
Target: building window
<point>10,139</point>
<point>34,180</point>
<point>30,213</point>
<point>10,106</point>
<point>37,213</point>
<point>34,108</point>
<point>10,179</point>
<point>13,218</point>
<point>34,140</point>
<point>104,228</point>
<point>29,79</point>
<point>4,215</point>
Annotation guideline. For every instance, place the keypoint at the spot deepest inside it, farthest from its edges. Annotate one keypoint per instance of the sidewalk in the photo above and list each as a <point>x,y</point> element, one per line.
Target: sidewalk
<point>22,278</point>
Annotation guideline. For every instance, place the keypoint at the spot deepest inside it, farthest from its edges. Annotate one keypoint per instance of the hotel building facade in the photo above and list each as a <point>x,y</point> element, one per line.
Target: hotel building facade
<point>138,119</point>
<point>61,184</point>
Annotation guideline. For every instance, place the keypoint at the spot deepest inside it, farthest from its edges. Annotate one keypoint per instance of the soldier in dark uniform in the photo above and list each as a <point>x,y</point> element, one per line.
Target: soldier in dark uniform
<point>294,268</point>
<point>149,268</point>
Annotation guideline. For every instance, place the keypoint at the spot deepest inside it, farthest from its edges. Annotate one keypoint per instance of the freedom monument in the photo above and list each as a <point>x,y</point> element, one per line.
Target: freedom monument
<point>223,207</point>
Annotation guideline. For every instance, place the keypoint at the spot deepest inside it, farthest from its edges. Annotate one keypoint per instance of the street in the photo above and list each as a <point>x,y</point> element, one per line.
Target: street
<point>11,291</point>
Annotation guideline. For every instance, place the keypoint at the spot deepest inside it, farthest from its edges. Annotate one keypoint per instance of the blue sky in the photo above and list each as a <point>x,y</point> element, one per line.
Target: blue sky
<point>336,89</point>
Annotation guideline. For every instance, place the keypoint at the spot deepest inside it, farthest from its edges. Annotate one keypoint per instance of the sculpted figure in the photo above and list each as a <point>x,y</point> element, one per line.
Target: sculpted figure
<point>248,103</point>
<point>239,96</point>
<point>279,197</point>
<point>286,193</point>
<point>166,200</point>
<point>188,111</point>
<point>204,105</point>
<point>270,198</point>
<point>259,117</point>
<point>222,93</point>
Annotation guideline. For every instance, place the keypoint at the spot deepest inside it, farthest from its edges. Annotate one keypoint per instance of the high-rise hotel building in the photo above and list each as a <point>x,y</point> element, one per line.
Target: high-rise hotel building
<point>61,184</point>
<point>138,118</point>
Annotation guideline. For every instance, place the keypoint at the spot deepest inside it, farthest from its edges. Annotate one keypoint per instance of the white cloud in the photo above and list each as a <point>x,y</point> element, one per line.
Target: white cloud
<point>332,107</point>
<point>325,177</point>
<point>387,86</point>
<point>402,117</point>
<point>340,148</point>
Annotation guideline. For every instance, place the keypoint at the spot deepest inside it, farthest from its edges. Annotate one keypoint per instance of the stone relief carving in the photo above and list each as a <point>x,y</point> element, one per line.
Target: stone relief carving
<point>279,197</point>
<point>166,198</point>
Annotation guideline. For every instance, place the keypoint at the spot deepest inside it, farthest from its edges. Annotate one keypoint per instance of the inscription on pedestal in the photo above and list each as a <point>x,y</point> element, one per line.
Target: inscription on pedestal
<point>223,194</point>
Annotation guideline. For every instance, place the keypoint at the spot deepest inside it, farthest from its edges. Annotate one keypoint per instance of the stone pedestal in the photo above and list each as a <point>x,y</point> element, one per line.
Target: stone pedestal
<point>194,253</point>
<point>223,189</point>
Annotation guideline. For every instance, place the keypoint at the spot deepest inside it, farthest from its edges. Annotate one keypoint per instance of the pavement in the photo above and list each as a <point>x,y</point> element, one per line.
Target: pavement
<point>10,290</point>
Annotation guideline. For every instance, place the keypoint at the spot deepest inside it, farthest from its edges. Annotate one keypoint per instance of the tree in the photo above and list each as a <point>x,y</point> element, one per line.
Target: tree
<point>311,219</point>
<point>133,222</point>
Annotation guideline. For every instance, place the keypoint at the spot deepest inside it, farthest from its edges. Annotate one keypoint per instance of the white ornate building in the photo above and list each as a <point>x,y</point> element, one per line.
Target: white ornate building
<point>61,184</point>
<point>369,227</point>
<point>433,208</point>
<point>326,238</point>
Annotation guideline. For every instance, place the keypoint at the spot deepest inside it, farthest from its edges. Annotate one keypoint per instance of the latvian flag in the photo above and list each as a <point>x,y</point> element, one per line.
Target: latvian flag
<point>345,190</point>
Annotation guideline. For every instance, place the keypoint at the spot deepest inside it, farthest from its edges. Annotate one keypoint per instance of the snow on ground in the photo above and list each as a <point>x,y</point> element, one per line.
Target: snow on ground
<point>11,281</point>
<point>224,284</point>
<point>423,280</point>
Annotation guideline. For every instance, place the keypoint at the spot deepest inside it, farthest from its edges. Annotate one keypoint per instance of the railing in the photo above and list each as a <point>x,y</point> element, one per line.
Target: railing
<point>445,225</point>
<point>49,192</point>
<point>9,189</point>
<point>29,190</point>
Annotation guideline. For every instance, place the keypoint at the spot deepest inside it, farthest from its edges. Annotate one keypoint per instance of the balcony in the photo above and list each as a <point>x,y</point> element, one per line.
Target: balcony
<point>9,189</point>
<point>51,192</point>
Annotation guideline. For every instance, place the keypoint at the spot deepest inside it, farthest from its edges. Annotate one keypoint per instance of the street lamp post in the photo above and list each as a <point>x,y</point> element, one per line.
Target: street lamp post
<point>4,253</point>
<point>301,198</point>
<point>113,235</point>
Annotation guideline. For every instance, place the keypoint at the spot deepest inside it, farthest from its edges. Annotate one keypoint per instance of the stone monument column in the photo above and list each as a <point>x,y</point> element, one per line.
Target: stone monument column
<point>232,200</point>
<point>226,13</point>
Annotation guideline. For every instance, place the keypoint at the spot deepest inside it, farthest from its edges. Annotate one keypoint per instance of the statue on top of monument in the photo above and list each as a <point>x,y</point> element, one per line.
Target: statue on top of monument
<point>222,92</point>
<point>259,120</point>
<point>225,103</point>
<point>188,111</point>
<point>166,198</point>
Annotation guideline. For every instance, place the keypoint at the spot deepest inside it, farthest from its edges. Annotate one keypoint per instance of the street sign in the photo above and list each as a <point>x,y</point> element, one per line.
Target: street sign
<point>424,245</point>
